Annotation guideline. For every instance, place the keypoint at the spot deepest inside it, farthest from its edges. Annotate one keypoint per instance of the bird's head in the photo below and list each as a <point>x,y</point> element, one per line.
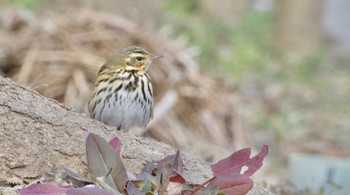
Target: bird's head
<point>132,58</point>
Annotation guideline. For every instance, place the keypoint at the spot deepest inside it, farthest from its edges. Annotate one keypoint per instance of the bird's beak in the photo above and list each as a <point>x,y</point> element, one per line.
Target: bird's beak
<point>156,56</point>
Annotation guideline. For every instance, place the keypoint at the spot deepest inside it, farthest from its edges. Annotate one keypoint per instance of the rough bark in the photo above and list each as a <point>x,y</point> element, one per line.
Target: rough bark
<point>39,135</point>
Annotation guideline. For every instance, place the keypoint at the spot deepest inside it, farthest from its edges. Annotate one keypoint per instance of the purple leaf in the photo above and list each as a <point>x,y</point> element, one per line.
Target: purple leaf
<point>102,159</point>
<point>234,163</point>
<point>237,160</point>
<point>176,163</point>
<point>227,172</point>
<point>233,184</point>
<point>115,143</point>
<point>132,189</point>
<point>142,176</point>
<point>174,160</point>
<point>88,191</point>
<point>44,189</point>
<point>257,161</point>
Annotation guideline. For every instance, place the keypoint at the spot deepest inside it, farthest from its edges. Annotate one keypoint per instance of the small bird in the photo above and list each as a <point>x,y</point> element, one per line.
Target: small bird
<point>123,94</point>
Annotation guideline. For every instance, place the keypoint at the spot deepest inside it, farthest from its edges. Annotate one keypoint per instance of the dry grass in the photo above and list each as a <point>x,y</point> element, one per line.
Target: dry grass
<point>59,57</point>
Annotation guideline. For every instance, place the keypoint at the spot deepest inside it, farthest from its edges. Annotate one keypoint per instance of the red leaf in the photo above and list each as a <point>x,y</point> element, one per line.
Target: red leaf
<point>227,172</point>
<point>233,184</point>
<point>234,163</point>
<point>44,189</point>
<point>176,177</point>
<point>115,143</point>
<point>177,165</point>
<point>257,161</point>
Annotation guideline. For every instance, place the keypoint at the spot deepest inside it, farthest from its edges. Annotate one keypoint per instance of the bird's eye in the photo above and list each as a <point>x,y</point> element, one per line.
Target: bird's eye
<point>139,58</point>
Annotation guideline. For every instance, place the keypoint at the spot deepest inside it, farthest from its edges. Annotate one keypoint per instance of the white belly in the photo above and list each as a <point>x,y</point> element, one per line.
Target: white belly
<point>129,110</point>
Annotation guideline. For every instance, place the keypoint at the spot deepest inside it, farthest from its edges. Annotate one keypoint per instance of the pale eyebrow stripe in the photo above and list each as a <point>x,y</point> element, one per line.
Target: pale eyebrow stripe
<point>136,55</point>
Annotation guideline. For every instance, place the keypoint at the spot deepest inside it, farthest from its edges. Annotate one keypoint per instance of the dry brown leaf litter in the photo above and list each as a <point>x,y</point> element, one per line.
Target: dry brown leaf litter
<point>59,57</point>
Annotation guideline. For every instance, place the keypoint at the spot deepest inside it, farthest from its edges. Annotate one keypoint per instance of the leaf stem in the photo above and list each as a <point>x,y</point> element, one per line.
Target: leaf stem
<point>109,172</point>
<point>202,185</point>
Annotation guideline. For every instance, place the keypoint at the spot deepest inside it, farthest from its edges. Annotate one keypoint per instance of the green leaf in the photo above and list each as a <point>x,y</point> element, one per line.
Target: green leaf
<point>155,183</point>
<point>139,183</point>
<point>147,182</point>
<point>101,182</point>
<point>147,187</point>
<point>102,159</point>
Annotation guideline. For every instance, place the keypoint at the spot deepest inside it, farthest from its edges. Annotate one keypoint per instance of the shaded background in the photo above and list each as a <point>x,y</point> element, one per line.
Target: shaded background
<point>235,74</point>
